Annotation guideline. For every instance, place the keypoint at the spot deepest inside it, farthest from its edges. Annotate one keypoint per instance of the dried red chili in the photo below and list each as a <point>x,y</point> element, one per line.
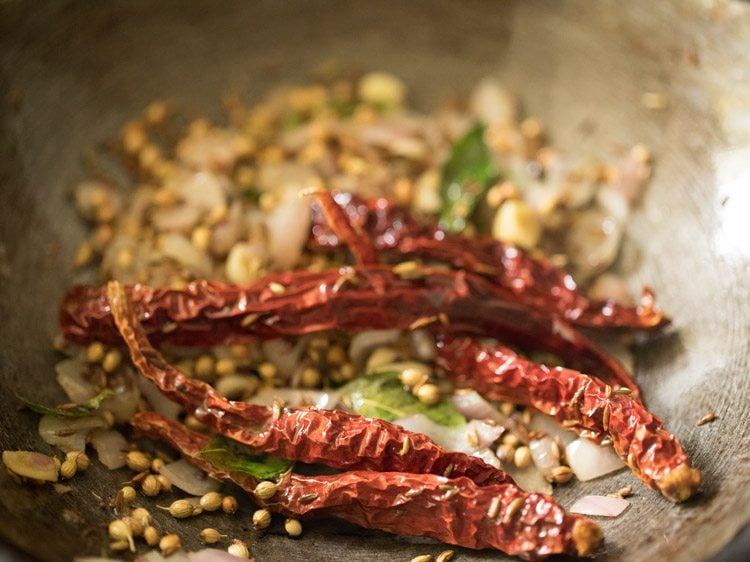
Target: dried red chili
<point>453,510</point>
<point>529,280</point>
<point>351,299</point>
<point>334,438</point>
<point>583,403</point>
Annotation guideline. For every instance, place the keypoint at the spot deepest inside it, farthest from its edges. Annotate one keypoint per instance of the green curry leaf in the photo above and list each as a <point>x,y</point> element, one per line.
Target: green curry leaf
<point>82,410</point>
<point>382,395</point>
<point>467,173</point>
<point>231,456</point>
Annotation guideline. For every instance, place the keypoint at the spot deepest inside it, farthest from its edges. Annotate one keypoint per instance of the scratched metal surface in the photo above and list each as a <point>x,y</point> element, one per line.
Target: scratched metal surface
<point>71,73</point>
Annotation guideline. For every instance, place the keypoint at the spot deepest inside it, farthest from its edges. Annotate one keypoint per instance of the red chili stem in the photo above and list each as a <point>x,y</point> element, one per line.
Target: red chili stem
<point>527,279</point>
<point>331,437</point>
<point>582,402</point>
<point>358,243</point>
<point>351,299</point>
<point>453,510</point>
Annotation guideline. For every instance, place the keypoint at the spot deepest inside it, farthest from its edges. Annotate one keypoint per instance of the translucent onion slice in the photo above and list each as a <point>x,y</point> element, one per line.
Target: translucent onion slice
<point>68,434</point>
<point>474,436</point>
<point>189,479</point>
<point>110,446</point>
<point>601,506</point>
<point>589,460</point>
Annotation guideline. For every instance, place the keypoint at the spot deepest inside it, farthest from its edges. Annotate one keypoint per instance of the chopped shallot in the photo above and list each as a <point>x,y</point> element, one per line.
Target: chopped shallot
<point>296,397</point>
<point>474,436</point>
<point>70,378</point>
<point>111,446</point>
<point>589,460</point>
<point>364,342</point>
<point>601,506</point>
<point>188,478</point>
<point>68,434</point>
<point>473,407</point>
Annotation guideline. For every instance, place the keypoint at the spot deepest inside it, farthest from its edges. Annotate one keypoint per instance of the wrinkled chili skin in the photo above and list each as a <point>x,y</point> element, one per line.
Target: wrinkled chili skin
<point>331,437</point>
<point>637,435</point>
<point>529,280</point>
<point>350,298</point>
<point>453,510</point>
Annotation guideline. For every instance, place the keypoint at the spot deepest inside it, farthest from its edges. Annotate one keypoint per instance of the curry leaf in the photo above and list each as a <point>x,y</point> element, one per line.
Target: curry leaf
<point>231,456</point>
<point>382,395</point>
<point>467,173</point>
<point>78,411</point>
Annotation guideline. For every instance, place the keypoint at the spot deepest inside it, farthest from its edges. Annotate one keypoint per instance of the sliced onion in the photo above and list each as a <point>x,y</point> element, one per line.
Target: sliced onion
<point>181,250</point>
<point>423,345</point>
<point>212,555</point>
<point>473,436</point>
<point>158,401</point>
<point>589,460</point>
<point>364,342</point>
<point>547,424</point>
<point>529,478</point>
<point>110,446</point>
<point>601,506</point>
<point>70,377</point>
<point>189,478</point>
<point>473,407</point>
<point>182,218</point>
<point>30,464</point>
<point>124,402</point>
<point>488,456</point>
<point>545,453</point>
<point>284,354</point>
<point>288,227</point>
<point>296,397</point>
<point>68,434</point>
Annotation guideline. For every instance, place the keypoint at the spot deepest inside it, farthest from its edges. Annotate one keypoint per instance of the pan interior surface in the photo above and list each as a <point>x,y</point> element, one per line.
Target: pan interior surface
<point>72,73</point>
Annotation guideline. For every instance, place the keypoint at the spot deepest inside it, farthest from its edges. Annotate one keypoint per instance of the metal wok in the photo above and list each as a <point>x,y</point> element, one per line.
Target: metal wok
<point>71,73</point>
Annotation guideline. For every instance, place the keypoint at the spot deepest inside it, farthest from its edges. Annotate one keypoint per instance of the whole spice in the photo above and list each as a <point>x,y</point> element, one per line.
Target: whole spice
<point>151,536</point>
<point>238,548</point>
<point>119,531</point>
<point>265,490</point>
<point>229,505</point>
<point>293,527</point>
<point>411,504</point>
<point>128,494</point>
<point>137,461</point>
<point>81,459</point>
<point>279,434</point>
<point>143,516</point>
<point>211,536</point>
<point>637,436</point>
<point>169,544</point>
<point>533,281</point>
<point>211,501</point>
<point>68,469</point>
<point>209,312</point>
<point>180,509</point>
<point>445,556</point>
<point>150,486</point>
<point>262,518</point>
